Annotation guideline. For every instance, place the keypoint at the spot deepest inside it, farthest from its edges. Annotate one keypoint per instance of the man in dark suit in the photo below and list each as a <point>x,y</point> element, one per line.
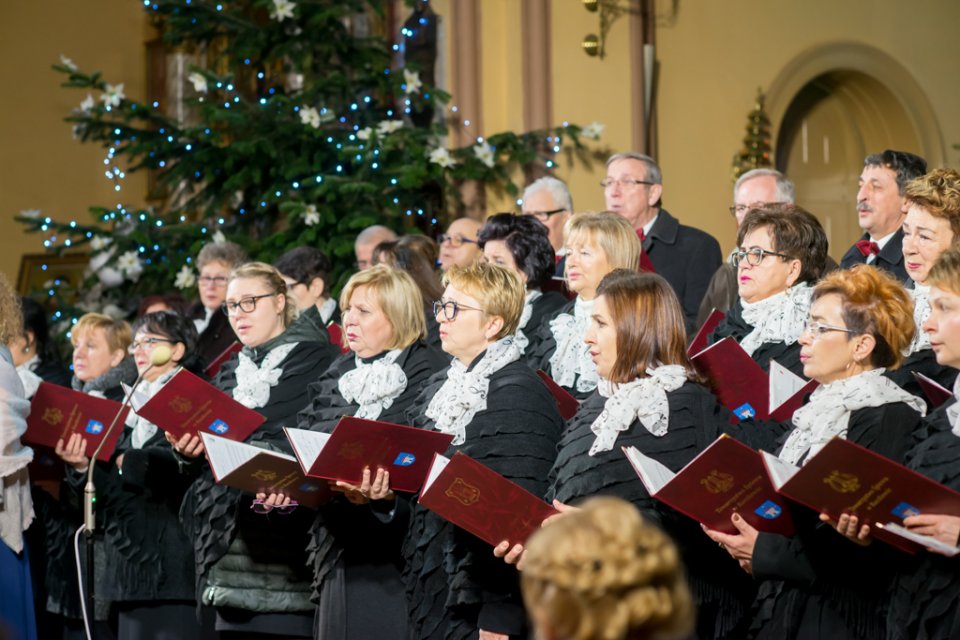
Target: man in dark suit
<point>881,207</point>
<point>685,256</point>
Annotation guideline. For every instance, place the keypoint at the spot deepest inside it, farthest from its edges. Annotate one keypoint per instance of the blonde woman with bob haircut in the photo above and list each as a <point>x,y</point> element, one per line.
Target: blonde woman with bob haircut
<point>379,379</point>
<point>605,573</point>
<point>269,375</point>
<point>100,359</point>
<point>500,414</point>
<point>596,244</point>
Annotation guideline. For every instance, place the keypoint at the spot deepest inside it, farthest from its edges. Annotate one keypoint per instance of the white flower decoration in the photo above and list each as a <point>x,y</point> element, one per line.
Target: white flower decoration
<point>310,116</point>
<point>311,216</point>
<point>33,214</point>
<point>442,157</point>
<point>364,134</point>
<point>186,278</point>
<point>593,130</point>
<point>88,104</point>
<point>388,126</point>
<point>112,95</point>
<point>114,311</point>
<point>129,264</point>
<point>412,81</point>
<point>99,243</point>
<point>282,9</point>
<point>218,237</point>
<point>68,63</point>
<point>198,81</point>
<point>484,153</point>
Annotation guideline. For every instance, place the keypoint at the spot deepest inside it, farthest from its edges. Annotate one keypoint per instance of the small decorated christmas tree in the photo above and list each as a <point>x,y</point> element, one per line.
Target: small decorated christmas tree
<point>756,144</point>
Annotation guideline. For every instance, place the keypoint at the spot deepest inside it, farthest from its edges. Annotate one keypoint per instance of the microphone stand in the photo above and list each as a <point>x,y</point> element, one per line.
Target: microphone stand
<point>90,496</point>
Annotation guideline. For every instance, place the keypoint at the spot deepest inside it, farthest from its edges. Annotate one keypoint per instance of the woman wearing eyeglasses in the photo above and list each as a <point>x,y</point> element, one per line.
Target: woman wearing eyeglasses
<point>521,243</point>
<point>355,559</point>
<point>458,246</point>
<point>251,569</point>
<point>500,414</point>
<point>782,252</point>
<point>215,261</point>
<point>817,585</point>
<point>596,243</point>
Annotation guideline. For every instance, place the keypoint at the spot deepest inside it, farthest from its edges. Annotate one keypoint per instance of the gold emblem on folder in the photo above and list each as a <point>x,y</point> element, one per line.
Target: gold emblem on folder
<point>717,482</point>
<point>181,404</point>
<point>463,492</point>
<point>265,476</point>
<point>842,482</point>
<point>351,450</point>
<point>52,416</point>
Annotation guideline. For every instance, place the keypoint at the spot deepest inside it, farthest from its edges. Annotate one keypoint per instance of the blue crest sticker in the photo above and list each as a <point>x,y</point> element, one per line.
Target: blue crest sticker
<point>309,487</point>
<point>769,510</point>
<point>405,459</point>
<point>745,411</point>
<point>905,509</point>
<point>219,426</point>
<point>94,427</point>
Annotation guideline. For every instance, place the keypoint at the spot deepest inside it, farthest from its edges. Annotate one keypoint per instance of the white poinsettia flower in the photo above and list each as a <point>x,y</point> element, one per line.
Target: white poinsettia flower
<point>311,216</point>
<point>442,157</point>
<point>186,278</point>
<point>198,81</point>
<point>484,153</point>
<point>114,312</point>
<point>33,214</point>
<point>282,9</point>
<point>99,243</point>
<point>68,63</point>
<point>364,134</point>
<point>129,264</point>
<point>388,126</point>
<point>218,237</point>
<point>310,116</point>
<point>112,95</point>
<point>412,81</point>
<point>88,104</point>
<point>593,130</point>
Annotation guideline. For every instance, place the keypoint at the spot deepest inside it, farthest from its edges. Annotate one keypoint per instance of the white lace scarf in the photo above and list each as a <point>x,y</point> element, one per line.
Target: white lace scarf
<point>143,429</point>
<point>374,385</point>
<point>828,413</point>
<point>921,313</point>
<point>520,338</point>
<point>254,382</point>
<point>464,393</point>
<point>644,399</point>
<point>31,381</point>
<point>778,318</point>
<point>953,411</point>
<point>572,355</point>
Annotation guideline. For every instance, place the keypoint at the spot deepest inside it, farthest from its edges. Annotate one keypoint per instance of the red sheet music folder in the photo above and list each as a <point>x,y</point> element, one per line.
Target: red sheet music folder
<point>567,404</point>
<point>57,412</point>
<point>699,342</point>
<point>214,367</point>
<point>481,501</point>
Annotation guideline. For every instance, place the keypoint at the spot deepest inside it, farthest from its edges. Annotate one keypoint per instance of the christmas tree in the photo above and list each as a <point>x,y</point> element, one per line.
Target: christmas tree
<point>293,124</point>
<point>756,144</point>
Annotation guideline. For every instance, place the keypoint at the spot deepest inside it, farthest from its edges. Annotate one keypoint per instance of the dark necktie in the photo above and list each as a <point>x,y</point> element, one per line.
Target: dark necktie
<point>868,248</point>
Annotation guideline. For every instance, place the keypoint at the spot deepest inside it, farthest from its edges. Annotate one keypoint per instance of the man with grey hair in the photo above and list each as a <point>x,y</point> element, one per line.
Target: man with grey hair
<point>755,188</point>
<point>366,242</point>
<point>548,200</point>
<point>683,255</point>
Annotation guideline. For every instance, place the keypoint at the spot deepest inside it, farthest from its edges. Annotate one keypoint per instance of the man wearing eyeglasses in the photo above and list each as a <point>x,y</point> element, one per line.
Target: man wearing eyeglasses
<point>685,256</point>
<point>548,200</point>
<point>881,208</point>
<point>458,246</point>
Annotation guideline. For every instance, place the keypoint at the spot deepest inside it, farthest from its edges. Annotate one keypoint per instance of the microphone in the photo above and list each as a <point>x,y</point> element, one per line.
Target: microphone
<point>160,356</point>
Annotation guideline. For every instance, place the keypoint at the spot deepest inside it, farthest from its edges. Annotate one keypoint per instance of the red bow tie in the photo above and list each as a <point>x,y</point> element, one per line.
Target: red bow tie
<point>868,247</point>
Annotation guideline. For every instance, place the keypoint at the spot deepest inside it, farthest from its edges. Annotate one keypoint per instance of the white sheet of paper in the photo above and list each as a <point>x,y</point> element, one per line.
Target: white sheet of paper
<point>439,464</point>
<point>926,541</point>
<point>784,384</point>
<point>226,456</point>
<point>778,470</point>
<point>307,445</point>
<point>652,473</point>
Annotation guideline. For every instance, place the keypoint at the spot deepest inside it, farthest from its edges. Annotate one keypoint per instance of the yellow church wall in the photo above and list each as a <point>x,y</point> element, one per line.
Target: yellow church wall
<point>41,167</point>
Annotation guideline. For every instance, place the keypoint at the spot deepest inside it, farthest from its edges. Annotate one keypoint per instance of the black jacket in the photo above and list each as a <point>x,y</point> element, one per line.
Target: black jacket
<point>890,258</point>
<point>215,338</point>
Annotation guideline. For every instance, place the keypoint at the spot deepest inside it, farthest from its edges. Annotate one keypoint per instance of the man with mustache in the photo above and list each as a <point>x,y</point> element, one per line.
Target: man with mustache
<point>881,208</point>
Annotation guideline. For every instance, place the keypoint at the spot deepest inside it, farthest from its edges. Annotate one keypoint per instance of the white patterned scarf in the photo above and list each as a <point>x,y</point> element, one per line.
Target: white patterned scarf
<point>953,411</point>
<point>643,399</point>
<point>572,355</point>
<point>254,382</point>
<point>464,393</point>
<point>827,414</point>
<point>374,385</point>
<point>921,313</point>
<point>778,318</point>
<point>520,338</point>
<point>31,381</point>
<point>142,428</point>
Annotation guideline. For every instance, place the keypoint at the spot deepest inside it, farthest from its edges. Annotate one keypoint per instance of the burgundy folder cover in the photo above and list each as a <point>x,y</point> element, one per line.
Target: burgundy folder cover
<point>483,502</point>
<point>187,404</point>
<point>57,412</point>
<point>567,404</point>
<point>935,392</point>
<point>214,367</point>
<point>699,342</point>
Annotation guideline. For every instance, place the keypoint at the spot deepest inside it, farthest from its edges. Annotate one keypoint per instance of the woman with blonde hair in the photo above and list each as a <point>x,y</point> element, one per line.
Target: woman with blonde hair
<point>603,572</point>
<point>596,244</point>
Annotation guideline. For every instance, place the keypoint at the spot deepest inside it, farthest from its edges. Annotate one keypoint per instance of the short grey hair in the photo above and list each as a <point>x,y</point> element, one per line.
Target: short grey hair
<point>555,187</point>
<point>653,169</point>
<point>786,192</point>
<point>229,253</point>
<point>375,234</point>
